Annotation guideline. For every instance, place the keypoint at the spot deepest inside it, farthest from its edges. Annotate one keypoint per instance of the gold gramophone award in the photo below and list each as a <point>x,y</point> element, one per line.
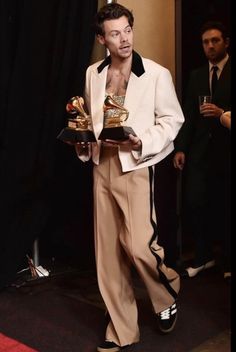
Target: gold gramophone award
<point>79,127</point>
<point>115,116</point>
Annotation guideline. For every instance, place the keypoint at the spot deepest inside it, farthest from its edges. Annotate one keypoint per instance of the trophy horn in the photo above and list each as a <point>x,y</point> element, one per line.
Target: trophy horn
<point>110,103</point>
<point>75,105</point>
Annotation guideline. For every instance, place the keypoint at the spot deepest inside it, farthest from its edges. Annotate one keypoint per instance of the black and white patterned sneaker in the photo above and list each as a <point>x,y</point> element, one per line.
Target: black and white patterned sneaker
<point>108,346</point>
<point>167,319</point>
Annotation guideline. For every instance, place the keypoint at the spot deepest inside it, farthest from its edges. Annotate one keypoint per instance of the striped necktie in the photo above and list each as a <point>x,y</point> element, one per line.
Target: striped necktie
<point>214,79</point>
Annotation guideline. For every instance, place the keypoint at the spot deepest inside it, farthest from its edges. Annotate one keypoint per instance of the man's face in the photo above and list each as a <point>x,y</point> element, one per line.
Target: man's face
<point>214,46</point>
<point>118,37</point>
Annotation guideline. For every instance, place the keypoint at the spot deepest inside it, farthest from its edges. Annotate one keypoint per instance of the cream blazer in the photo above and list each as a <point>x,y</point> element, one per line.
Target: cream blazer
<point>155,113</point>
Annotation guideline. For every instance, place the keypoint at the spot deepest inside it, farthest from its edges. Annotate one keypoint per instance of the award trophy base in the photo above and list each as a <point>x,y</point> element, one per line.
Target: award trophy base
<point>120,133</point>
<point>75,136</point>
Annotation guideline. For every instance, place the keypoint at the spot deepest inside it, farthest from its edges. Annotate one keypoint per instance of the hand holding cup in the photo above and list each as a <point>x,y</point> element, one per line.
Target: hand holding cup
<point>203,100</point>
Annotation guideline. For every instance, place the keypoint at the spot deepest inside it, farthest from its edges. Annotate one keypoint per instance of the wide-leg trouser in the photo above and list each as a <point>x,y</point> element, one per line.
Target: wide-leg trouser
<point>125,235</point>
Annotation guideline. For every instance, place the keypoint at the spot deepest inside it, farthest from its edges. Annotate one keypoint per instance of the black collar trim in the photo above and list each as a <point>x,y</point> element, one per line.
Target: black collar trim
<point>137,64</point>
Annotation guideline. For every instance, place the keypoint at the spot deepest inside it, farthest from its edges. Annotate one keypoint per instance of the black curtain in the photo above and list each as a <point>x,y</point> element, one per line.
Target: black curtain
<point>46,46</point>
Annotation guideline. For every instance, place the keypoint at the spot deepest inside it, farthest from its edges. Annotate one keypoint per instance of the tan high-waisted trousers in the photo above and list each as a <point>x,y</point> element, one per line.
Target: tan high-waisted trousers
<point>125,235</point>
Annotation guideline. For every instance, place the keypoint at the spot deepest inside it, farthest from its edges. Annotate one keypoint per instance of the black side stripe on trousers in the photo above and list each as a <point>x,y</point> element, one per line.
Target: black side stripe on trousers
<point>162,276</point>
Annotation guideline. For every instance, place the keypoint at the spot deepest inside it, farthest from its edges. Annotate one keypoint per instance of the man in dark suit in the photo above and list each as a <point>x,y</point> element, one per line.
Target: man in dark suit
<point>202,151</point>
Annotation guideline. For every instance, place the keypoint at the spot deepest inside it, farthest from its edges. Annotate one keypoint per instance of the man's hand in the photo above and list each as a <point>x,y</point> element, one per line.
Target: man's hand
<point>211,110</point>
<point>133,141</point>
<point>179,160</point>
<point>136,143</point>
<point>225,119</point>
<point>81,146</point>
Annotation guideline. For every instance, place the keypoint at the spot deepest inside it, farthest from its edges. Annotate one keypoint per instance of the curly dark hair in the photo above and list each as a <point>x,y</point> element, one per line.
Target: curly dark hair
<point>110,12</point>
<point>214,25</point>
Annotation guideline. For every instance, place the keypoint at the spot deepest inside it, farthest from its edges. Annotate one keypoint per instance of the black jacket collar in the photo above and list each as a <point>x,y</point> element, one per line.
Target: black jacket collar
<point>137,64</point>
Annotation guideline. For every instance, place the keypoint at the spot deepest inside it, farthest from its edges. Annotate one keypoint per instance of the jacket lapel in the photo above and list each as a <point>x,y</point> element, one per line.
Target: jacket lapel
<point>134,94</point>
<point>98,89</point>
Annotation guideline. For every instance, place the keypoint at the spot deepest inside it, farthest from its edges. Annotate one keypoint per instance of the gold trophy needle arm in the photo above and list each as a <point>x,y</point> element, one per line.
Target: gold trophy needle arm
<point>77,103</point>
<point>110,103</point>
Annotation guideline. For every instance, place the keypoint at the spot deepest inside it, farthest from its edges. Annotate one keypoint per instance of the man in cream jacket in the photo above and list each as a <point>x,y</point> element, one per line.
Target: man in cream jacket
<point>124,217</point>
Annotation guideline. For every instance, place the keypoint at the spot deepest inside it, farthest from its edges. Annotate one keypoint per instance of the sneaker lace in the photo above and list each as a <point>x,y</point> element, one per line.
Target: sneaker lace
<point>165,314</point>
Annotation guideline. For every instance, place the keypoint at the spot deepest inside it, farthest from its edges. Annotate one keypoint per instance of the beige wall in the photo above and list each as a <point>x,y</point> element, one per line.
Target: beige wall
<point>154,30</point>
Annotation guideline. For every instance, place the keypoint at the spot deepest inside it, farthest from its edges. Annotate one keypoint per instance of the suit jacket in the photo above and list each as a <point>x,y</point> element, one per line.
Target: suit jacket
<point>205,139</point>
<point>154,110</point>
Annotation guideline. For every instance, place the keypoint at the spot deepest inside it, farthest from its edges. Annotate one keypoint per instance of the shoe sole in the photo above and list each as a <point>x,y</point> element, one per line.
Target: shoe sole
<point>210,264</point>
<point>170,329</point>
<point>192,272</point>
<point>112,349</point>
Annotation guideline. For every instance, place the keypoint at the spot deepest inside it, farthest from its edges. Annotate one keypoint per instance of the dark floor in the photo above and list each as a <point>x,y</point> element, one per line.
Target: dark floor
<point>65,313</point>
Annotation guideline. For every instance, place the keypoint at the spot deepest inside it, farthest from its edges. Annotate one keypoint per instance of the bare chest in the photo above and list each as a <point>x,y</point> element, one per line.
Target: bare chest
<point>116,83</point>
